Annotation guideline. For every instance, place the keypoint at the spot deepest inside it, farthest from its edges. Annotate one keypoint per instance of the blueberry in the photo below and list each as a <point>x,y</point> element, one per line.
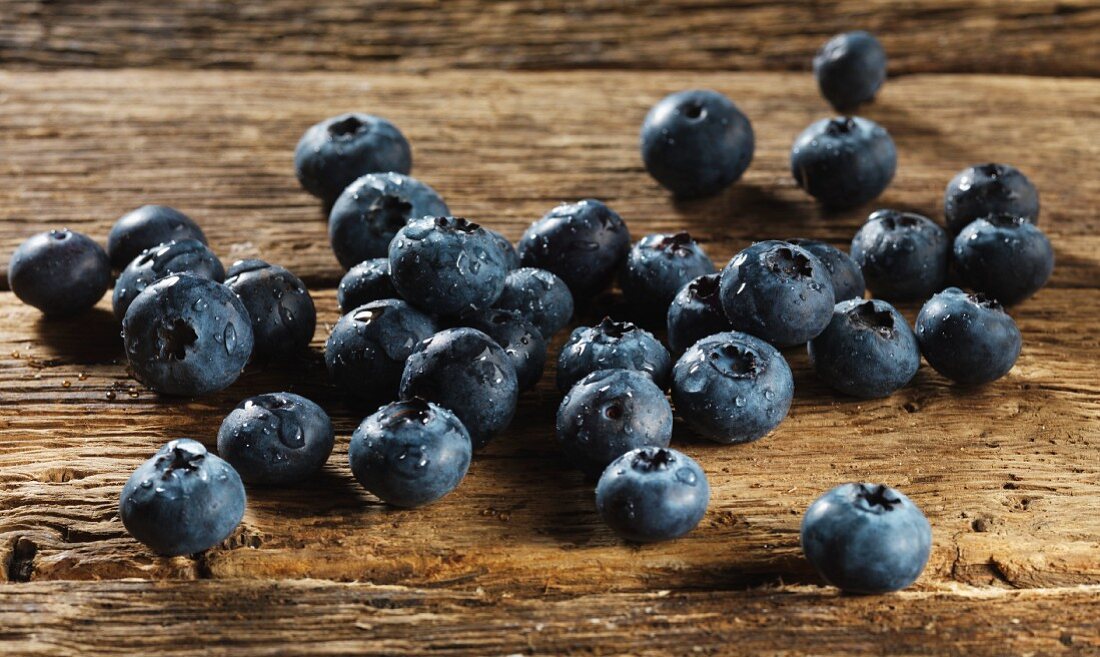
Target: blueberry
<point>365,282</point>
<point>366,351</point>
<point>466,371</point>
<point>696,143</point>
<point>187,335</point>
<point>695,313</point>
<point>866,538</point>
<point>368,214</point>
<point>183,500</point>
<point>652,494</point>
<point>410,453</point>
<point>777,291</point>
<point>732,387</point>
<point>282,312</point>
<point>146,227</point>
<point>447,266</point>
<point>845,274</point>
<point>276,438</point>
<point>986,189</point>
<point>183,257</point>
<point>541,297</point>
<point>521,341</point>
<point>582,243</point>
<point>656,268</point>
<point>612,345</point>
<point>850,68</point>
<point>844,162</point>
<point>967,337</point>
<point>511,256</point>
<point>1004,256</point>
<point>868,349</point>
<point>902,255</point>
<point>60,272</point>
<point>336,151</point>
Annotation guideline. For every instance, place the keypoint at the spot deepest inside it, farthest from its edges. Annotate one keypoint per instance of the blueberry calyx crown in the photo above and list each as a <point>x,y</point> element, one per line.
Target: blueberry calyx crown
<point>677,244</point>
<point>651,460</point>
<point>840,126</point>
<point>392,211</point>
<point>694,110</point>
<point>411,410</point>
<point>60,234</point>
<point>174,339</point>
<point>736,361</point>
<point>789,262</point>
<point>866,316</point>
<point>613,410</point>
<point>613,329</point>
<point>1006,220</point>
<point>893,220</point>
<point>186,456</point>
<point>877,498</point>
<point>982,301</point>
<point>457,224</point>
<point>991,169</point>
<point>346,127</point>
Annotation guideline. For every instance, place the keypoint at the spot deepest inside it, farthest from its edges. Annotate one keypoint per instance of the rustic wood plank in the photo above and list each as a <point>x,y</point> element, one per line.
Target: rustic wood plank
<point>82,148</point>
<point>321,618</point>
<point>1048,37</point>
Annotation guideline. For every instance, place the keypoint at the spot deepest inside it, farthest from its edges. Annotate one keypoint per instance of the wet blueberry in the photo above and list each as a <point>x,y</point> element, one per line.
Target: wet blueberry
<point>447,266</point>
<point>186,335</point>
<point>146,227</point>
<point>582,243</point>
<point>521,341</point>
<point>612,345</point>
<point>866,538</point>
<point>696,143</point>
<point>732,387</point>
<point>655,270</point>
<point>367,349</point>
<point>541,297</point>
<point>850,68</point>
<point>988,189</point>
<point>511,256</point>
<point>844,162</point>
<point>695,313</point>
<point>777,291</point>
<point>902,255</point>
<point>868,349</point>
<point>60,272</point>
<point>1006,257</point>
<point>844,273</point>
<point>183,500</point>
<point>183,257</point>
<point>465,371</point>
<point>281,309</point>
<point>365,282</point>
<point>608,413</point>
<point>335,152</point>
<point>276,438</point>
<point>652,494</point>
<point>410,453</point>
<point>368,214</point>
<point>967,337</point>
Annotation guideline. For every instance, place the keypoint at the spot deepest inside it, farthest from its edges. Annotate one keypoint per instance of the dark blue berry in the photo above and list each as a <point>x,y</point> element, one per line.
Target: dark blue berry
<point>582,243</point>
<point>467,372</point>
<point>60,272</point>
<point>988,189</point>
<point>1006,257</point>
<point>844,273</point>
<point>732,387</point>
<point>777,291</point>
<point>844,162</point>
<point>335,152</point>
<point>282,312</point>
<point>447,266</point>
<point>652,494</point>
<point>967,337</point>
<point>902,255</point>
<point>868,349</point>
<point>366,351</point>
<point>511,256</point>
<point>187,335</point>
<point>608,413</point>
<point>146,227</point>
<point>850,68</point>
<point>365,282</point>
<point>541,297</point>
<point>695,313</point>
<point>656,268</point>
<point>183,257</point>
<point>410,453</point>
<point>183,500</point>
<point>521,341</point>
<point>696,143</point>
<point>367,216</point>
<point>612,345</point>
<point>866,538</point>
<point>276,438</point>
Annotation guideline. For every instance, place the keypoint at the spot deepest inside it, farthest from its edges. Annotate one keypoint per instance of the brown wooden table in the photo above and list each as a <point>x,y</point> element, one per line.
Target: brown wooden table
<point>513,107</point>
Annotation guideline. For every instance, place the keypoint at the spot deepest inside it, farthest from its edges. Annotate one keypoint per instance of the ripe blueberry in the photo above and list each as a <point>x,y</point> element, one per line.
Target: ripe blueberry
<point>183,257</point>
<point>850,68</point>
<point>521,341</point>
<point>986,189</point>
<point>967,337</point>
<point>541,297</point>
<point>365,282</point>
<point>695,313</point>
<point>844,273</point>
<point>1006,257</point>
<point>333,153</point>
<point>902,255</point>
<point>60,272</point>
<point>276,438</point>
<point>282,312</point>
<point>612,345</point>
<point>146,227</point>
<point>652,494</point>
<point>844,162</point>
<point>656,268</point>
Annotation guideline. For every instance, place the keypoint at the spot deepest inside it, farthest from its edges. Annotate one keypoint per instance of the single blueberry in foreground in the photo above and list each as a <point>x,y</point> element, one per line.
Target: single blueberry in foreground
<point>183,257</point>
<point>60,272</point>
<point>866,538</point>
<point>695,313</point>
<point>335,152</point>
<point>844,273</point>
<point>1006,257</point>
<point>986,189</point>
<point>183,500</point>
<point>902,255</point>
<point>365,282</point>
<point>541,297</point>
<point>276,438</point>
<point>850,68</point>
<point>281,309</point>
<point>612,345</point>
<point>656,268</point>
<point>967,337</point>
<point>652,494</point>
<point>410,453</point>
<point>521,341</point>
<point>146,227</point>
<point>844,162</point>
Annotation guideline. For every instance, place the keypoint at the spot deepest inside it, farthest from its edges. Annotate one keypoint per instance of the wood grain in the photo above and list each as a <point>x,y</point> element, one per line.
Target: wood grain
<point>1045,37</point>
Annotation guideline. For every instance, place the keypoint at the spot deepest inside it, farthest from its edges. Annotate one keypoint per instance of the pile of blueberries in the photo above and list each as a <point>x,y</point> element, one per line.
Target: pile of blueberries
<point>446,323</point>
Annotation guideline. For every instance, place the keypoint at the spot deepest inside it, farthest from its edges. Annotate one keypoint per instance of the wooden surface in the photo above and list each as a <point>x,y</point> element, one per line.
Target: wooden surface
<point>516,560</point>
